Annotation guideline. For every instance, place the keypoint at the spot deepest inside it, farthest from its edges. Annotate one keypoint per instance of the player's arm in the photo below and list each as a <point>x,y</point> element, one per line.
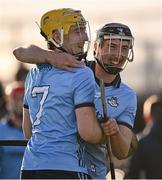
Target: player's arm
<point>88,126</point>
<point>36,55</point>
<point>26,124</point>
<point>83,85</point>
<point>121,142</point>
<point>120,136</point>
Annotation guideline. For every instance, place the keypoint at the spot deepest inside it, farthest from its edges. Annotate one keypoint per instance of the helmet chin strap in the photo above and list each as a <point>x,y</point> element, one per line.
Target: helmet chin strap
<point>109,69</point>
<point>54,42</point>
<point>53,45</point>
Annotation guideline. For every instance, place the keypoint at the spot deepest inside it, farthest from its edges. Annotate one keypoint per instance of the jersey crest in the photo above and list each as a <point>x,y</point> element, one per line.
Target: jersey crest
<point>113,101</point>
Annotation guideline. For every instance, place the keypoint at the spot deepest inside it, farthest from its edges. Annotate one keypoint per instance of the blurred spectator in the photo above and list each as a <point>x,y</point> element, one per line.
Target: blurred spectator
<point>139,123</point>
<point>147,162</point>
<point>10,129</point>
<point>147,116</point>
<point>21,73</point>
<point>3,110</point>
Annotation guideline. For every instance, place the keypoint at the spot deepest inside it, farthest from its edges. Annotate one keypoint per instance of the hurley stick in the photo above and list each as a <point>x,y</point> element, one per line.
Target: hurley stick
<point>108,143</point>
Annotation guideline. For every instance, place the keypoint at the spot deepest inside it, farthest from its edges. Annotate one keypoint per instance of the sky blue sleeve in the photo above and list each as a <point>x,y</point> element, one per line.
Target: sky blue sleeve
<point>128,116</point>
<point>84,88</point>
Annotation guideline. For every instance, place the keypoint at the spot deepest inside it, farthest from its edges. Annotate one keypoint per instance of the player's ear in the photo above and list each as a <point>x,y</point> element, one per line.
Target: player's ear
<point>95,49</point>
<point>56,36</point>
<point>95,46</point>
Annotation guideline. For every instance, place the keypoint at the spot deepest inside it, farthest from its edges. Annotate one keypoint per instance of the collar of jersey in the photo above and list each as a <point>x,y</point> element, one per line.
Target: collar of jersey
<point>115,83</point>
<point>44,66</point>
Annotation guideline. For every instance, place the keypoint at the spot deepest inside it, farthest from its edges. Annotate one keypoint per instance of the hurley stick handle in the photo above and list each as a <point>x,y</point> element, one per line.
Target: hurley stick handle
<point>108,143</point>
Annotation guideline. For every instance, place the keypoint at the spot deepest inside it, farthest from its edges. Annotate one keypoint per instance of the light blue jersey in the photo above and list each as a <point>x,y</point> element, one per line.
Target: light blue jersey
<point>52,95</point>
<point>121,105</point>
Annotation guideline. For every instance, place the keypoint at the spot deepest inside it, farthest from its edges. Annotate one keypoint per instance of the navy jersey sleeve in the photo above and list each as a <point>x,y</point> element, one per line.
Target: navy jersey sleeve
<point>84,88</point>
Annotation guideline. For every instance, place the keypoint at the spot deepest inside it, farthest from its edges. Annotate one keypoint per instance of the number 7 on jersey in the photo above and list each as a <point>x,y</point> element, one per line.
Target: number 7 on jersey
<point>44,91</point>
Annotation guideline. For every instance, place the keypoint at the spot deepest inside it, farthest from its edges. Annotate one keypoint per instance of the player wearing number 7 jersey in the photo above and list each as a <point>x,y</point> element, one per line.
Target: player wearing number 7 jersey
<point>59,105</point>
<point>113,49</point>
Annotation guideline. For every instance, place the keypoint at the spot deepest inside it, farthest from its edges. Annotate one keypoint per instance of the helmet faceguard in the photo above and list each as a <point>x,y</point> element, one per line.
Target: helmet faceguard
<point>114,32</point>
<point>62,20</point>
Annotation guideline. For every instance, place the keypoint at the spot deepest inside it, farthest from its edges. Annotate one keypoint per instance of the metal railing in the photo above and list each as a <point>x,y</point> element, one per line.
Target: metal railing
<point>13,142</point>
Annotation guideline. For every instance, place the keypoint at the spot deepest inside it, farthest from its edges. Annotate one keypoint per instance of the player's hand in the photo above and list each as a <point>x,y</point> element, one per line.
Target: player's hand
<point>63,60</point>
<point>110,127</point>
